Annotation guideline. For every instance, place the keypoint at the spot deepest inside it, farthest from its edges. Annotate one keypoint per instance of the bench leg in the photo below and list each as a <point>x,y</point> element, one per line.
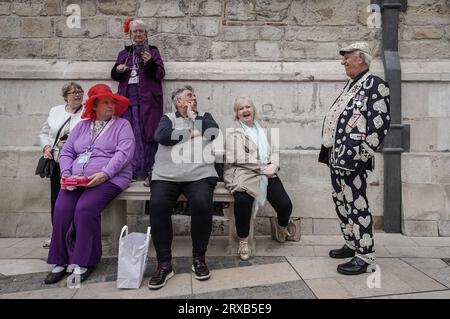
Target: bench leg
<point>113,219</point>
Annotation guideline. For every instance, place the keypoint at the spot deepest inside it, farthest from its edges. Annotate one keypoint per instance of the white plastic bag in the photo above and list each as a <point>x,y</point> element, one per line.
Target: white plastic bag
<point>132,259</point>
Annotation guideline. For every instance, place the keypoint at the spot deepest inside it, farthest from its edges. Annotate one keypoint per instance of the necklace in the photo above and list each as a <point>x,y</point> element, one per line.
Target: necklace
<point>99,125</point>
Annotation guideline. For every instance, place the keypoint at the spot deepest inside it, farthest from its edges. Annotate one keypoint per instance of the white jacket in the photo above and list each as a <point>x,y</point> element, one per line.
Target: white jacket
<point>56,118</point>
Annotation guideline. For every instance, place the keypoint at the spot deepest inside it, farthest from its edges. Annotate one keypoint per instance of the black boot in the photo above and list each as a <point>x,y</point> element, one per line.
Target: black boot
<point>355,266</point>
<point>344,252</point>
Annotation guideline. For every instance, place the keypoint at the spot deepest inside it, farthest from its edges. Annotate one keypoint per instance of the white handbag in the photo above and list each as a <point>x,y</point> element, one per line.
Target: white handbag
<point>132,258</point>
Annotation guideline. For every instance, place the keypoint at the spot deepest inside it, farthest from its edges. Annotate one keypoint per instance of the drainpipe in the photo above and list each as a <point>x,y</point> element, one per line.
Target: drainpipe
<point>397,140</point>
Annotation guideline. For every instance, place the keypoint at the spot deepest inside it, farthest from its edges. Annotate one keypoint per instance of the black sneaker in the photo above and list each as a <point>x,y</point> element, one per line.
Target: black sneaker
<point>200,269</point>
<point>160,277</point>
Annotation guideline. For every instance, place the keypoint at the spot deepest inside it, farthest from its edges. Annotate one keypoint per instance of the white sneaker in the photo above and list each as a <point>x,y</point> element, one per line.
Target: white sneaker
<point>46,243</point>
<point>244,250</point>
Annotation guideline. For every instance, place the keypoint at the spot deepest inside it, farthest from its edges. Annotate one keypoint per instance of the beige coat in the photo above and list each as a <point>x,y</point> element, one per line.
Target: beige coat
<point>242,169</point>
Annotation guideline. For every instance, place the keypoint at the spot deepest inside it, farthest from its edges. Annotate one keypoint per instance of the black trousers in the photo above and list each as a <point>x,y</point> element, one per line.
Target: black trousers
<point>55,186</point>
<point>164,195</point>
<point>277,197</point>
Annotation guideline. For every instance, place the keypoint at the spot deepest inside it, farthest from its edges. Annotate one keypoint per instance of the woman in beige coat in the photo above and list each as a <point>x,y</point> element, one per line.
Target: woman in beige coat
<point>251,166</point>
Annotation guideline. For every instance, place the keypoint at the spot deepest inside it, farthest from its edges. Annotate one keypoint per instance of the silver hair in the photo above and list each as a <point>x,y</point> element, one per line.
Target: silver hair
<point>367,57</point>
<point>176,94</point>
<point>238,101</point>
<point>69,86</point>
<point>138,22</point>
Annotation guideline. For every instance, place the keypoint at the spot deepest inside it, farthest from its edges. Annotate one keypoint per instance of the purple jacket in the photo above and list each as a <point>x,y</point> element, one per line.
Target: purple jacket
<point>150,86</point>
<point>112,152</point>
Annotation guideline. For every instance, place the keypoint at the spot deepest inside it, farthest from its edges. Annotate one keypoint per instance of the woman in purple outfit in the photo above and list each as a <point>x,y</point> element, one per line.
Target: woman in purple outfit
<point>139,70</point>
<point>100,149</point>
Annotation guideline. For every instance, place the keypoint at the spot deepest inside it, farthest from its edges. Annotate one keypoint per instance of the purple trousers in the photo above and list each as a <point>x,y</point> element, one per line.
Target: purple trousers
<point>144,152</point>
<point>76,237</point>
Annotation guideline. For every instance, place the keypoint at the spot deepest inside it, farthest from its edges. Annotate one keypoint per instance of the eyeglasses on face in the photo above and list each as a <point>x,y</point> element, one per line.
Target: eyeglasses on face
<point>76,93</point>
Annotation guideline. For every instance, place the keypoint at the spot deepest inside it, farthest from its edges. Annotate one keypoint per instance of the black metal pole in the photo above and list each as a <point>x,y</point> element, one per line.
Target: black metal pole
<point>393,144</point>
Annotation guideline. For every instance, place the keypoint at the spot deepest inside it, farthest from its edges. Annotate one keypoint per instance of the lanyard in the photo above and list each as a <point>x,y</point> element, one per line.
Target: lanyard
<point>86,155</point>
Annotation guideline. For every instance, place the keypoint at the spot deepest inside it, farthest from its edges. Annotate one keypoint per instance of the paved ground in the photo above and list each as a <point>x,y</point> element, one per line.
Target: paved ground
<point>409,267</point>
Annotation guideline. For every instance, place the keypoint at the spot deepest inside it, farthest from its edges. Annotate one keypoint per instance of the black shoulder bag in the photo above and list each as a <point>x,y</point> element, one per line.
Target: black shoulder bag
<point>46,166</point>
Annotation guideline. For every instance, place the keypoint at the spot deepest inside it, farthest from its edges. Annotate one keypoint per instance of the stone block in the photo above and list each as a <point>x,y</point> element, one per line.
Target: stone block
<point>83,49</point>
<point>240,10</point>
<point>326,226</point>
<point>10,27</point>
<point>271,33</point>
<point>297,50</point>
<point>37,27</point>
<point>262,226</point>
<point>424,202</point>
<point>9,164</point>
<point>230,50</point>
<point>27,162</point>
<point>35,199</point>
<point>112,48</point>
<point>306,226</point>
<point>425,49</point>
<point>87,7</point>
<point>5,9</point>
<point>181,47</point>
<point>51,47</point>
<point>27,8</point>
<point>204,27</point>
<point>52,7</point>
<point>90,28</point>
<point>326,12</point>
<point>267,50</point>
<point>14,133</point>
<point>417,168</point>
<point>206,8</point>
<point>422,32</point>
<point>239,33</point>
<point>441,169</point>
<point>163,8</point>
<point>122,7</point>
<point>447,32</point>
<point>425,100</point>
<point>423,12</point>
<point>444,228</point>
<point>436,137</point>
<point>115,28</point>
<point>19,48</point>
<point>311,200</point>
<point>272,10</point>
<point>420,228</point>
<point>178,26</point>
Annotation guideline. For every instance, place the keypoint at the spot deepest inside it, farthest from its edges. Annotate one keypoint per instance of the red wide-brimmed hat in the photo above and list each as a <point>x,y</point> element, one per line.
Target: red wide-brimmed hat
<point>99,91</point>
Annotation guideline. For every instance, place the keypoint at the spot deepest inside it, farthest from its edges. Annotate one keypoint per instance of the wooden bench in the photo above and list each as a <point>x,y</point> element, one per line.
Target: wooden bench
<point>115,216</point>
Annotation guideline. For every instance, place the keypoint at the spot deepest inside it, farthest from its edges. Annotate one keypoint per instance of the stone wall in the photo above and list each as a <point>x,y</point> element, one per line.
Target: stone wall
<point>291,96</point>
<point>205,30</point>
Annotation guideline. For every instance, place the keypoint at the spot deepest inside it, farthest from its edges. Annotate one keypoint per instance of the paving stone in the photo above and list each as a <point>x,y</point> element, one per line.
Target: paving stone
<point>10,267</point>
<point>395,277</point>
<point>420,252</point>
<point>434,268</point>
<point>327,288</point>
<point>246,276</point>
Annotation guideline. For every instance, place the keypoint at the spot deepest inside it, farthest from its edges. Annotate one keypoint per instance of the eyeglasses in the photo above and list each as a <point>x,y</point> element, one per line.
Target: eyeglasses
<point>76,93</point>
